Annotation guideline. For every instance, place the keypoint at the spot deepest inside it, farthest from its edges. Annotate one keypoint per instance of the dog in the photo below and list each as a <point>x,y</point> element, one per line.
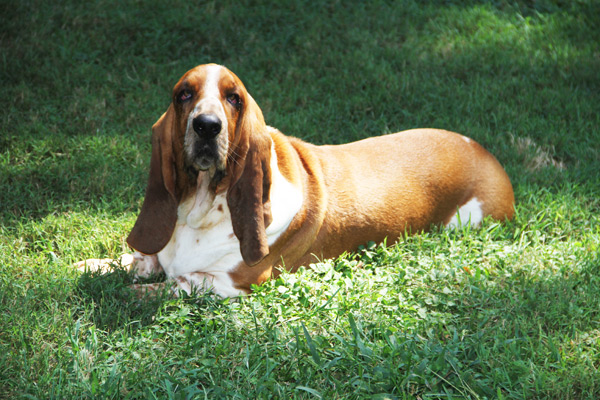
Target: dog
<point>230,201</point>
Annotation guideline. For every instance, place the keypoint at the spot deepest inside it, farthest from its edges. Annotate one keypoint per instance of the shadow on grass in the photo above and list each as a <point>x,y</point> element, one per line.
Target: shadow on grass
<point>539,333</point>
<point>421,65</point>
<point>113,304</point>
<point>529,303</point>
<point>46,175</point>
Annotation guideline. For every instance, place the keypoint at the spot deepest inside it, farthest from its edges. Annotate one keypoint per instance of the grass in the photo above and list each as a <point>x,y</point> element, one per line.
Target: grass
<point>508,311</point>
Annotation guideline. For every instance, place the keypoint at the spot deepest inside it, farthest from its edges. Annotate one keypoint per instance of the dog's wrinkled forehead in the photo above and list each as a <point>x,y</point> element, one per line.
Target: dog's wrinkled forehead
<point>205,81</point>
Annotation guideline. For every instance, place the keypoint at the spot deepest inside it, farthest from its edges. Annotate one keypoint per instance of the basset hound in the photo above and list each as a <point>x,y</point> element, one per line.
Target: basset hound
<point>230,200</point>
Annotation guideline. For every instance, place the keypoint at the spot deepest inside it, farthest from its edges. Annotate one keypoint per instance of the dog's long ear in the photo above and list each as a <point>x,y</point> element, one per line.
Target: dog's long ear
<point>156,221</point>
<point>250,183</point>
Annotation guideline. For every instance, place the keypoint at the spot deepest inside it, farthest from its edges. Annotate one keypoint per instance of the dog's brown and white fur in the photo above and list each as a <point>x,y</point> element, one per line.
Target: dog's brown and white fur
<point>230,200</point>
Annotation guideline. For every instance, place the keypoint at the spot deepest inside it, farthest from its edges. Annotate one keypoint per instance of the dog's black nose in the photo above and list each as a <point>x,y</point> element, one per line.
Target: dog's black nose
<point>207,126</point>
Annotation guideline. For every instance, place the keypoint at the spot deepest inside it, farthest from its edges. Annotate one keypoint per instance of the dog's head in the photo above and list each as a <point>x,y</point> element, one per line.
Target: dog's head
<point>214,130</point>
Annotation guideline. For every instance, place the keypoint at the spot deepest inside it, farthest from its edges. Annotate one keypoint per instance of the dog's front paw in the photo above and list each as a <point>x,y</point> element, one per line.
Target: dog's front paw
<point>144,266</point>
<point>104,265</point>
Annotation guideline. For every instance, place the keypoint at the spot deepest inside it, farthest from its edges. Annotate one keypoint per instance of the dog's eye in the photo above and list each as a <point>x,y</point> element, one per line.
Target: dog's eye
<point>184,95</point>
<point>234,99</point>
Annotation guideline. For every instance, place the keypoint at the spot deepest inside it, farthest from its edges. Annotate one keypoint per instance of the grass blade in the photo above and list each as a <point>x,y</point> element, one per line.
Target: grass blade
<point>311,346</point>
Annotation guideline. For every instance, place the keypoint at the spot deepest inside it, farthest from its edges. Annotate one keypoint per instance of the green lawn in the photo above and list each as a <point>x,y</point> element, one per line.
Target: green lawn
<point>508,311</point>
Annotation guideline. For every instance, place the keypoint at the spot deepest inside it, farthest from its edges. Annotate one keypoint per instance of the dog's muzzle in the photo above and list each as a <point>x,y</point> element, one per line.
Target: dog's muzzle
<point>204,143</point>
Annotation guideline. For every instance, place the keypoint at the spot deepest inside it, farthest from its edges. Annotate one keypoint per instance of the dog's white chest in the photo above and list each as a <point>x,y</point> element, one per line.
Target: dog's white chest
<point>203,240</point>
